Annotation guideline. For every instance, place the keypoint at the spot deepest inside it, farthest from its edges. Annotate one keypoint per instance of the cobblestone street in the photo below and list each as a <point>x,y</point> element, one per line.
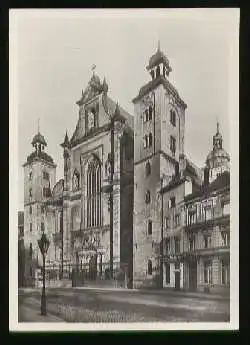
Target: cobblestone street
<point>111,305</point>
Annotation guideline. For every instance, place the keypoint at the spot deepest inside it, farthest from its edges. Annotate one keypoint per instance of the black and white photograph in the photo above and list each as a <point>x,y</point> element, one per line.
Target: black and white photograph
<point>124,169</point>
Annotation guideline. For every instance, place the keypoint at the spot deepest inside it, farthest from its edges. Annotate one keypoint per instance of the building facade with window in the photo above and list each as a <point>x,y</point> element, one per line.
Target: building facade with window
<point>207,225</point>
<point>75,211</point>
<point>158,155</point>
<point>39,177</point>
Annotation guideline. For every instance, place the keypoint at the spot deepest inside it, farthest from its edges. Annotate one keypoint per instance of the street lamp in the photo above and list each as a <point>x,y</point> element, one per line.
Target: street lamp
<point>43,244</point>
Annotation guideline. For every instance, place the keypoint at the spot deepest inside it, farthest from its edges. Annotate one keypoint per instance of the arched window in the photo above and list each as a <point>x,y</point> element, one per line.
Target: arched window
<point>150,113</point>
<point>145,141</point>
<point>76,181</point>
<point>146,115</point>
<point>147,197</point>
<point>158,71</point>
<point>150,227</point>
<point>30,209</point>
<point>94,194</point>
<point>150,139</point>
<point>148,169</point>
<point>150,267</point>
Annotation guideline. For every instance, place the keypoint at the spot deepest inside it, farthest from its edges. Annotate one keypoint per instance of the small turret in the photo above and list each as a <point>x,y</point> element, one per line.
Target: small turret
<point>66,141</point>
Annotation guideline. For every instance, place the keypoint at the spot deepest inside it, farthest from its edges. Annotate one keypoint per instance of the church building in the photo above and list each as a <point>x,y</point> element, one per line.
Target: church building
<point>88,215</point>
<point>131,205</point>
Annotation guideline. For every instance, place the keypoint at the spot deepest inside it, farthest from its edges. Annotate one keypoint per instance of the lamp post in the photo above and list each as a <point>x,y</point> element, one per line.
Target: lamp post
<point>43,244</point>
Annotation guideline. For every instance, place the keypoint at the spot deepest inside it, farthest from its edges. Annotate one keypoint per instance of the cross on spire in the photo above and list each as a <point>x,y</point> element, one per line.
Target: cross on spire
<point>93,68</point>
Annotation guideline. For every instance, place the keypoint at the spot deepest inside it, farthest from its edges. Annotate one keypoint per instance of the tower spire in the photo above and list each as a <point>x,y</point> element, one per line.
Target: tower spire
<point>159,45</point>
<point>218,128</point>
<point>38,125</point>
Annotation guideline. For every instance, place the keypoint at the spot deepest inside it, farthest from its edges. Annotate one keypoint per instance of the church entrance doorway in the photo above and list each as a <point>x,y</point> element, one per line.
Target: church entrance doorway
<point>93,267</point>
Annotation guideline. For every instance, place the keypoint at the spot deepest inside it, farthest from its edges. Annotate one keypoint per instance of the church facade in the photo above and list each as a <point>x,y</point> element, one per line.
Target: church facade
<point>129,193</point>
<point>98,172</point>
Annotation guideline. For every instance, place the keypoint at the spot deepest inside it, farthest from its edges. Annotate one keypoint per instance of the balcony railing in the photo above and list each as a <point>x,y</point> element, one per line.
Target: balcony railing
<point>208,251</point>
<point>206,223</point>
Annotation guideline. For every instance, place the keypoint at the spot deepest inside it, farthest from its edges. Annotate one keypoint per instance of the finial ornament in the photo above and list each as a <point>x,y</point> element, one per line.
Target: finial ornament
<point>93,68</point>
<point>218,129</point>
<point>38,125</point>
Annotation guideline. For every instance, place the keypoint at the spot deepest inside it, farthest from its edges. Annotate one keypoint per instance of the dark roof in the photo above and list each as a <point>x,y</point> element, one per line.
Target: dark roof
<point>222,181</point>
<point>20,218</point>
<point>39,155</point>
<point>157,58</point>
<point>39,138</point>
<point>123,114</point>
<point>152,84</point>
<point>175,182</point>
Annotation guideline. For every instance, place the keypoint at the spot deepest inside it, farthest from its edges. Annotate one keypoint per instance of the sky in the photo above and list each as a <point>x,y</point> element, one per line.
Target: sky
<point>56,50</point>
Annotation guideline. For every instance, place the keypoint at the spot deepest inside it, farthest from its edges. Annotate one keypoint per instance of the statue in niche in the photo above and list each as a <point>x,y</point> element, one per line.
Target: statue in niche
<point>91,119</point>
<point>108,165</point>
<point>75,182</point>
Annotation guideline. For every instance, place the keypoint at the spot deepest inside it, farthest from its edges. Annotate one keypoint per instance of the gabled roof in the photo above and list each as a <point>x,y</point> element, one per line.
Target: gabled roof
<point>39,155</point>
<point>123,113</point>
<point>152,84</point>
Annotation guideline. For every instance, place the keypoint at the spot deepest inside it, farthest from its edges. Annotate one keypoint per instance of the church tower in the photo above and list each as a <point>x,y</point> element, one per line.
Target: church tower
<point>217,160</point>
<point>158,157</point>
<point>39,177</point>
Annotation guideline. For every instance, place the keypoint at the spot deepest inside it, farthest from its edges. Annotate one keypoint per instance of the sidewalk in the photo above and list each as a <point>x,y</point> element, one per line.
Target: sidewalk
<point>167,292</point>
<point>29,314</point>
